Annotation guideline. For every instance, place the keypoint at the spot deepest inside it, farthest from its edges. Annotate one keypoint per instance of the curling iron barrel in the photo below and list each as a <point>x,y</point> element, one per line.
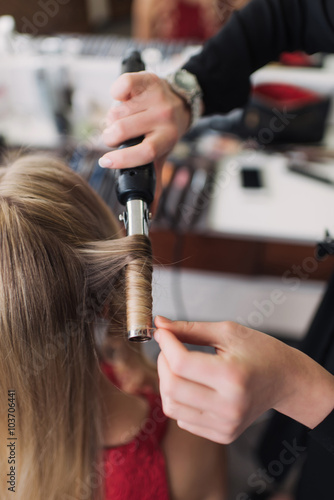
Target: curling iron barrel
<point>135,189</point>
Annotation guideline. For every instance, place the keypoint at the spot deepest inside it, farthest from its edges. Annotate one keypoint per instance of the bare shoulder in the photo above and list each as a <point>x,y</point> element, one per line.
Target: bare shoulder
<point>196,467</point>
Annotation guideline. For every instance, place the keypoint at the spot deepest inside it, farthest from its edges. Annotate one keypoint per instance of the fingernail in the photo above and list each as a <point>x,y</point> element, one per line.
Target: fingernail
<point>105,162</point>
<point>165,320</point>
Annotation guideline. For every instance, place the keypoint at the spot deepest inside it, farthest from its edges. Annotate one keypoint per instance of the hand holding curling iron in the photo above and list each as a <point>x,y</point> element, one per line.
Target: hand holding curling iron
<point>147,107</point>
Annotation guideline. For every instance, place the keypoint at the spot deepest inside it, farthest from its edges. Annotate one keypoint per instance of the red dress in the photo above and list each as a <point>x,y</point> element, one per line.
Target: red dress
<point>137,469</point>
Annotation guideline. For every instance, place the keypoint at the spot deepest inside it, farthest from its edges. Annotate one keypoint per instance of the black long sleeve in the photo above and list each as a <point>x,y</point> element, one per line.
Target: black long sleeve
<point>254,36</point>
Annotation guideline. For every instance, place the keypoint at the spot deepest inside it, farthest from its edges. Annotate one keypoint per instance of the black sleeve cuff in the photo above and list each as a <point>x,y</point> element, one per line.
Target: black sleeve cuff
<point>324,433</point>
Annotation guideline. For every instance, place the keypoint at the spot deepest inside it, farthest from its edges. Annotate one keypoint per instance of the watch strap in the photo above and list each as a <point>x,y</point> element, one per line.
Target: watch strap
<point>192,97</point>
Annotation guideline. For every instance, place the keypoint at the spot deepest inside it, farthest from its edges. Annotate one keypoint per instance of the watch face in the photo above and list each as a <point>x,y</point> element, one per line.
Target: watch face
<point>185,80</point>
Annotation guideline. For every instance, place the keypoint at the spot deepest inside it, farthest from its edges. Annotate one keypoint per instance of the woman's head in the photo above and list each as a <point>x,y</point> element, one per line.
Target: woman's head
<point>62,266</point>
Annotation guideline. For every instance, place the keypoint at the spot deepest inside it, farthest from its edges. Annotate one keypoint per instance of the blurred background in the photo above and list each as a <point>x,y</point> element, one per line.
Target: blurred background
<point>246,196</point>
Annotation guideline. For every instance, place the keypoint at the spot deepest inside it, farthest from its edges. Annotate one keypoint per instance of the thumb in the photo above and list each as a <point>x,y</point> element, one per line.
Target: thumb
<point>194,332</point>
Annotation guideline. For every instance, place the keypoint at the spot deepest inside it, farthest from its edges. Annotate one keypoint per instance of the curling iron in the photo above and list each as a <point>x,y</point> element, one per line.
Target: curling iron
<point>135,189</point>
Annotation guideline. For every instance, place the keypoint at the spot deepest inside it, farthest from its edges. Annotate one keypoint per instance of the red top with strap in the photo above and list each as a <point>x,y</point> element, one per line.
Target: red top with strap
<point>137,469</point>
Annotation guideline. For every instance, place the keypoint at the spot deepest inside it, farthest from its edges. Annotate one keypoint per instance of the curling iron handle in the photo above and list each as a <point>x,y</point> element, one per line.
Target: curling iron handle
<point>135,183</point>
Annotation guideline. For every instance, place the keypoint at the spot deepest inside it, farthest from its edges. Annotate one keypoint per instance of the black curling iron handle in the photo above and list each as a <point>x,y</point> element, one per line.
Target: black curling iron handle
<point>132,62</point>
<point>136,183</point>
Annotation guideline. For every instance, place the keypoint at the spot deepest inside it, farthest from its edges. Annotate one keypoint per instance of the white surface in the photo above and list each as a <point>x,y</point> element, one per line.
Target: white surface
<point>218,297</point>
<point>318,80</point>
<point>25,109</point>
<point>25,114</point>
<point>92,77</point>
<point>289,207</point>
<point>315,79</point>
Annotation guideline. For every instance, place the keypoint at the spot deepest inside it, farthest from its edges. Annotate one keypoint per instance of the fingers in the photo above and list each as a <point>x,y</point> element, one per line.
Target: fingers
<point>184,391</point>
<point>197,406</point>
<point>199,333</point>
<point>148,107</point>
<point>200,380</point>
<point>223,336</point>
<point>202,390</point>
<point>124,109</point>
<point>119,111</point>
<point>215,396</point>
<point>130,85</point>
<point>202,368</point>
<point>134,156</point>
<point>193,417</point>
<point>127,128</point>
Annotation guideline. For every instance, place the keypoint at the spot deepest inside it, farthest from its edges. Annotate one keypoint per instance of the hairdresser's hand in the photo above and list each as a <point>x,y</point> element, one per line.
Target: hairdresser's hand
<point>147,107</point>
<point>219,396</point>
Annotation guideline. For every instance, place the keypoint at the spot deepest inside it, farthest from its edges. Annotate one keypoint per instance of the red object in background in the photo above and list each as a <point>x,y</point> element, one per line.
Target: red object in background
<point>298,59</point>
<point>283,94</point>
<point>284,113</point>
<point>190,23</point>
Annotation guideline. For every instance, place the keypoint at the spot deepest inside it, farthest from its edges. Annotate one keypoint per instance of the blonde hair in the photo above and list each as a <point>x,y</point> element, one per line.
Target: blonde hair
<point>62,266</point>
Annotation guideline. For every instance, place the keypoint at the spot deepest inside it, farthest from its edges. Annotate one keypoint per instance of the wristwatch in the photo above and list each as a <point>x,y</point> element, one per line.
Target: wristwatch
<point>186,86</point>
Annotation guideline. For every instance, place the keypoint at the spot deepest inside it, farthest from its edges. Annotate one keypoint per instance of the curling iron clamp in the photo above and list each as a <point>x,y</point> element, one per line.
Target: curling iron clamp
<point>135,189</point>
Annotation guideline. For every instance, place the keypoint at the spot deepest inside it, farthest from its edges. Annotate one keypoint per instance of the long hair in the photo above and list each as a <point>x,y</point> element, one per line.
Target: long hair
<point>62,266</point>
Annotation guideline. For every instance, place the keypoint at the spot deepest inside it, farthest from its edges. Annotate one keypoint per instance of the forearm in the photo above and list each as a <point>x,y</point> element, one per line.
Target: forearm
<point>252,38</point>
<point>308,390</point>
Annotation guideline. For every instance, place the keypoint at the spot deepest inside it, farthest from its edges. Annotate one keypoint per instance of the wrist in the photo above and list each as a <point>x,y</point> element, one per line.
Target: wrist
<point>186,87</point>
<point>307,393</point>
